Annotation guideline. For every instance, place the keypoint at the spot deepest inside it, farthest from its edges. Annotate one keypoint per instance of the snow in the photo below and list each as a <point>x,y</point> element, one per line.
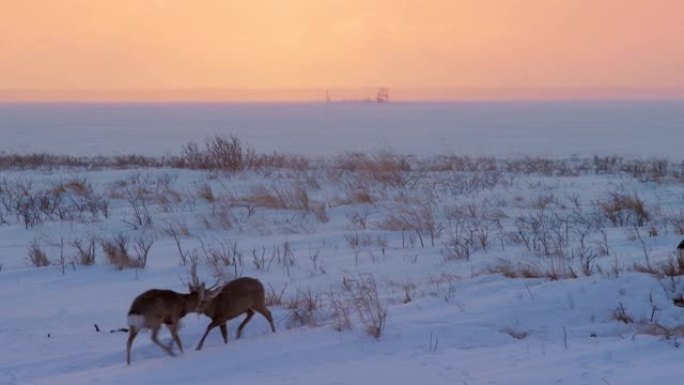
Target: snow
<point>463,323</point>
<point>493,128</point>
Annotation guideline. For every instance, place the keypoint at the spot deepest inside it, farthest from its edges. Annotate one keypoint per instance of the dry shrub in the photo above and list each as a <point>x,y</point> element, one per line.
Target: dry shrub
<point>85,251</point>
<point>116,251</point>
<point>418,219</point>
<point>278,161</point>
<point>555,272</point>
<point>37,256</point>
<point>223,258</point>
<point>529,165</point>
<point>221,217</point>
<point>342,309</point>
<point>459,163</point>
<point>656,329</point>
<point>385,168</point>
<point>51,161</point>
<point>673,267</point>
<point>321,213</point>
<point>294,197</point>
<point>407,287</point>
<point>356,195</point>
<point>366,301</point>
<point>205,192</point>
<point>622,209</point>
<point>274,298</point>
<point>219,153</point>
<point>357,240</point>
<point>303,309</point>
<point>620,315</point>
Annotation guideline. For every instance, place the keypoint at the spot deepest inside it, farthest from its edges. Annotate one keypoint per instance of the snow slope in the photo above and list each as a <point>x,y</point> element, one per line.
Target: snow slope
<point>450,320</point>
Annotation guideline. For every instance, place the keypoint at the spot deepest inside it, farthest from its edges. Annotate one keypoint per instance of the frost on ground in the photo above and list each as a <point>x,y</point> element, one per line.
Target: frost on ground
<point>378,268</point>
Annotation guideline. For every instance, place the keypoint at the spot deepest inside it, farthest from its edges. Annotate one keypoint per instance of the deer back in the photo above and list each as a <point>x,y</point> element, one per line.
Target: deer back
<point>234,298</point>
<point>163,306</point>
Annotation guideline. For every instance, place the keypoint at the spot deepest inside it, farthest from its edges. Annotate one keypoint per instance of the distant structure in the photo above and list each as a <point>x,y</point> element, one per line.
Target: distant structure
<point>382,95</point>
<point>327,97</point>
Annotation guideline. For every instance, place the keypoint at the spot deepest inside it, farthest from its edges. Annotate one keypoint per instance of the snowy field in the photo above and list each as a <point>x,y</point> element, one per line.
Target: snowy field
<point>496,268</point>
<point>485,128</point>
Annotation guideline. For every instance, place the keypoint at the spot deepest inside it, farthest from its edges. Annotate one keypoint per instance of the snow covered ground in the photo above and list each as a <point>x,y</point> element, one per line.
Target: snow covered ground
<point>491,273</point>
<point>490,128</point>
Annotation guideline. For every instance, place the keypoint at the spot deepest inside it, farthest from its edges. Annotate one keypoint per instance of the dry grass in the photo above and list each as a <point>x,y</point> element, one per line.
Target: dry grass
<point>37,256</point>
<point>224,258</point>
<point>204,191</point>
<point>419,219</point>
<point>366,301</point>
<point>557,270</point>
<point>385,168</point>
<point>274,298</point>
<point>620,315</point>
<point>342,310</point>
<point>116,250</point>
<point>622,209</point>
<point>303,309</point>
<point>85,251</point>
<point>293,197</point>
<point>218,153</point>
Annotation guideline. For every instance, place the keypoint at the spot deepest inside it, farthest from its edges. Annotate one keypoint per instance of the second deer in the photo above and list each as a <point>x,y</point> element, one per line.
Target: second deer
<point>156,307</point>
<point>240,296</point>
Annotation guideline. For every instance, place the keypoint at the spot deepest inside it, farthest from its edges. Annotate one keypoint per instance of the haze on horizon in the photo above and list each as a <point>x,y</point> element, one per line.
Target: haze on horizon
<point>293,50</point>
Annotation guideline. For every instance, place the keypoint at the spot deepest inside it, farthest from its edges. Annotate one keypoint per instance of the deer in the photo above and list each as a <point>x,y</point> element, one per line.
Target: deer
<point>239,296</point>
<point>155,307</point>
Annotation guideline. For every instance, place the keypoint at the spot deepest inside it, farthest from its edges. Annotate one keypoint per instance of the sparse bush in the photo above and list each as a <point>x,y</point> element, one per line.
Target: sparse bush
<point>205,192</point>
<point>342,309</point>
<point>419,219</point>
<point>273,298</point>
<point>303,309</point>
<point>384,168</point>
<point>622,210</point>
<point>366,301</point>
<point>37,256</point>
<point>219,153</point>
<point>224,259</point>
<point>85,251</point>
<point>116,251</point>
<point>135,195</point>
<point>142,248</point>
<point>558,269</point>
<point>620,315</point>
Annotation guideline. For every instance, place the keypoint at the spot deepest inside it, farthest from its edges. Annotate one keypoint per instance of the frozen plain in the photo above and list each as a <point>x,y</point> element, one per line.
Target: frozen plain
<point>463,324</point>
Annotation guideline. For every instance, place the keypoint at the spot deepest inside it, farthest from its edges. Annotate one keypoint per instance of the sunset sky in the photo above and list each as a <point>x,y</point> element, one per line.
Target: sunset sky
<point>128,49</point>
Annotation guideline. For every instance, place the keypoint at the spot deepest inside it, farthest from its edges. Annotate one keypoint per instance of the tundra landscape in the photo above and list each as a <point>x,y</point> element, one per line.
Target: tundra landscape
<point>377,265</point>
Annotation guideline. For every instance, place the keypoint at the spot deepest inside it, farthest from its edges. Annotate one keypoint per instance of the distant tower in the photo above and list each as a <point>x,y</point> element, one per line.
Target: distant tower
<point>383,95</point>
<point>327,97</point>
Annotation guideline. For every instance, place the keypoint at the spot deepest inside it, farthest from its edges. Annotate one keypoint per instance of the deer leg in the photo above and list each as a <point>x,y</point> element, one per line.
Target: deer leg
<point>173,328</point>
<point>167,348</point>
<point>224,332</point>
<point>263,310</point>
<point>131,336</point>
<point>250,314</point>
<point>212,325</point>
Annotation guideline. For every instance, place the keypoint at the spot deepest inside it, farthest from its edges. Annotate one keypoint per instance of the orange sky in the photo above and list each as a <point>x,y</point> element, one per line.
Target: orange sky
<point>139,47</point>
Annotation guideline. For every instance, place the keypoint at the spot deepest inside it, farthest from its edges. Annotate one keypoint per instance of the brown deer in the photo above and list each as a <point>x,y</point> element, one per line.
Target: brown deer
<point>155,307</point>
<point>242,295</point>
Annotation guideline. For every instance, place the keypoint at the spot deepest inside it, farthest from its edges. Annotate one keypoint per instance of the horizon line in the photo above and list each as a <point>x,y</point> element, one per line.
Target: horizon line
<point>336,94</point>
